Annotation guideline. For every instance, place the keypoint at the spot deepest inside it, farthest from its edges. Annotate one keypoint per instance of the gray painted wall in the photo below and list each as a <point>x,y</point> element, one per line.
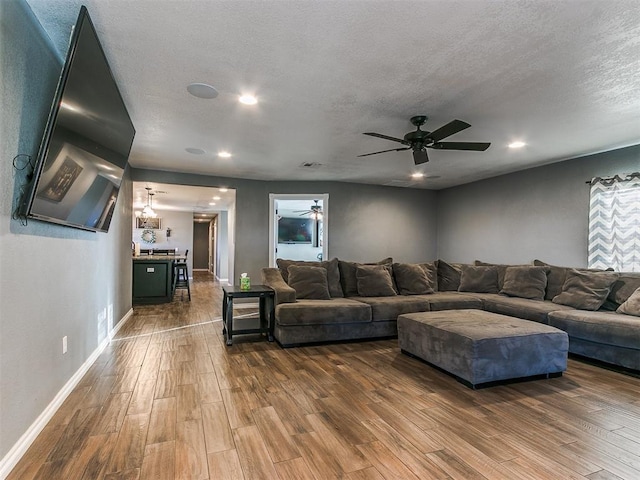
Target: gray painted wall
<point>538,213</point>
<point>54,281</point>
<point>365,222</point>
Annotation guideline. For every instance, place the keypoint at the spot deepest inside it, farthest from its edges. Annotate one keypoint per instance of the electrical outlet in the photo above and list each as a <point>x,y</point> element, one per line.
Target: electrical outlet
<point>64,344</point>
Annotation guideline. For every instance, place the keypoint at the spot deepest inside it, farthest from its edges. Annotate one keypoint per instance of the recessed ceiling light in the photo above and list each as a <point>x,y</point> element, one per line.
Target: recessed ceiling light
<point>223,190</point>
<point>517,144</point>
<point>417,175</point>
<point>202,90</point>
<point>195,151</point>
<point>216,197</point>
<point>248,99</point>
<point>212,203</point>
<point>224,154</point>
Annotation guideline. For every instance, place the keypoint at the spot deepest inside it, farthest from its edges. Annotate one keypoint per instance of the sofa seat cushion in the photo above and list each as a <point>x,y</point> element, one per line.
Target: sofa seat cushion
<point>453,301</point>
<point>607,328</point>
<point>323,312</point>
<point>527,309</point>
<point>388,308</point>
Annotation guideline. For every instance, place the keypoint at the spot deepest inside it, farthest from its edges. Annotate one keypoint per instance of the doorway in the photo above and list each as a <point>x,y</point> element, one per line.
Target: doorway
<point>200,246</point>
<point>298,227</point>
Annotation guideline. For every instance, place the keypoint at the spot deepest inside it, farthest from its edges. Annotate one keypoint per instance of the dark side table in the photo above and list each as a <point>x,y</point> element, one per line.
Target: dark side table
<point>267,313</point>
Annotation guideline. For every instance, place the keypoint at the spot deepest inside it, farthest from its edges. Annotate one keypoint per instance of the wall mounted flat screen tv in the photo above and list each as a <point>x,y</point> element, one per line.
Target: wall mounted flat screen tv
<point>86,143</point>
<point>295,230</point>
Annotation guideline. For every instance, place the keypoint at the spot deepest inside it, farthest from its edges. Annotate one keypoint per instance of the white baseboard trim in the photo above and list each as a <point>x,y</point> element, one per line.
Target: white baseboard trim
<point>223,281</point>
<point>22,445</point>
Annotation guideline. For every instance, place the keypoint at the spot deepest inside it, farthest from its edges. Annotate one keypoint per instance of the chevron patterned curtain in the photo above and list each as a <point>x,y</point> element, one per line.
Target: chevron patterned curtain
<point>614,223</point>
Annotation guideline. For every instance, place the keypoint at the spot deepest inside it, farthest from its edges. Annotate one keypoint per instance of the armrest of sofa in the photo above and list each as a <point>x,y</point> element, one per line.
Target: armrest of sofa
<point>272,277</point>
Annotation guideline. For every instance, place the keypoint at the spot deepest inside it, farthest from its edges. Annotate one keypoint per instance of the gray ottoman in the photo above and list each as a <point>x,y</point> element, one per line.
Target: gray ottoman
<point>481,347</point>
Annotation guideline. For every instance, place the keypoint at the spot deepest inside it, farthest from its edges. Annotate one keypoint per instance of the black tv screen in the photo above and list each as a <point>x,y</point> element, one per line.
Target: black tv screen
<point>295,230</point>
<point>86,143</point>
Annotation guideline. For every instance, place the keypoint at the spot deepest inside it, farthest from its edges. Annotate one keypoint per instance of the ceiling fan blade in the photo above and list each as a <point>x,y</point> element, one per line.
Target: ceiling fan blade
<point>384,151</point>
<point>477,146</point>
<point>420,156</point>
<point>386,137</point>
<point>449,129</point>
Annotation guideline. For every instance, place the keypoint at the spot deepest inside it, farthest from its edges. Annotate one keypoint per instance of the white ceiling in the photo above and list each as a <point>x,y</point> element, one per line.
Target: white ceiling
<point>563,76</point>
<point>183,198</point>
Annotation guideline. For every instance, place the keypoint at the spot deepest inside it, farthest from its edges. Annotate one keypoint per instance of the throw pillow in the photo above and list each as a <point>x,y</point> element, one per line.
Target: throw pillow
<point>348,275</point>
<point>432,272</point>
<point>333,273</point>
<point>448,276</point>
<point>478,279</point>
<point>525,282</point>
<point>585,290</point>
<point>632,305</point>
<point>625,286</point>
<point>556,276</point>
<point>502,269</point>
<point>309,282</point>
<point>412,279</point>
<point>374,281</point>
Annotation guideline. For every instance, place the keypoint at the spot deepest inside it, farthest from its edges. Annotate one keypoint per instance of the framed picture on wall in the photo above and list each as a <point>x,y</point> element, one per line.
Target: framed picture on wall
<point>149,223</point>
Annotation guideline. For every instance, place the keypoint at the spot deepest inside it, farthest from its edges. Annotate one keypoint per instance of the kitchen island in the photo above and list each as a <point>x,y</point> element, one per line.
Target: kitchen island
<point>153,278</point>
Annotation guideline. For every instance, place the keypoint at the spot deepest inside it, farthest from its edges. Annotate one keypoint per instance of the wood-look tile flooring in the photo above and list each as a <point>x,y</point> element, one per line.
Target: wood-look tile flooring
<point>168,400</point>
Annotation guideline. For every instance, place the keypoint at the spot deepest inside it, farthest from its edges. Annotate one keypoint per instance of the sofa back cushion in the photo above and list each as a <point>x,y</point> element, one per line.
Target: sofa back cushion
<point>556,276</point>
<point>333,273</point>
<point>525,282</point>
<point>309,282</point>
<point>632,305</point>
<point>375,281</point>
<point>413,278</point>
<point>478,279</point>
<point>449,276</point>
<point>585,290</point>
<point>502,269</point>
<point>348,278</point>
<point>625,286</point>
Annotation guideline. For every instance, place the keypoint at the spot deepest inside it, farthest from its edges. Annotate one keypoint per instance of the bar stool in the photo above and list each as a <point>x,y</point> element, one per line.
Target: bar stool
<point>181,275</point>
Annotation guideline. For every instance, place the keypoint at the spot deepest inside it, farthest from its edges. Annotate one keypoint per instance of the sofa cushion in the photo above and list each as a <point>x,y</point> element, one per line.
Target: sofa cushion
<point>524,308</point>
<point>608,328</point>
<point>480,279</point>
<point>453,301</point>
<point>412,279</point>
<point>273,278</point>
<point>622,289</point>
<point>449,276</point>
<point>333,273</point>
<point>525,282</point>
<point>632,305</point>
<point>323,312</point>
<point>375,281</point>
<point>309,282</point>
<point>585,290</point>
<point>556,276</point>
<point>388,308</point>
<point>502,269</point>
<point>348,278</point>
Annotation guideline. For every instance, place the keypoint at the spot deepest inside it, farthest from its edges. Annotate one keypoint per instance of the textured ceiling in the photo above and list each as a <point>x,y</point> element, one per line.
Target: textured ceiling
<point>562,76</point>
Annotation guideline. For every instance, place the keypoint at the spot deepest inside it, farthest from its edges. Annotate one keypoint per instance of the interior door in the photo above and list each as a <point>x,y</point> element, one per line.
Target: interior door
<point>298,227</point>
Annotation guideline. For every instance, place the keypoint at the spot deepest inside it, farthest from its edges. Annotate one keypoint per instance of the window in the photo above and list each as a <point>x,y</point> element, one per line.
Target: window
<point>614,223</point>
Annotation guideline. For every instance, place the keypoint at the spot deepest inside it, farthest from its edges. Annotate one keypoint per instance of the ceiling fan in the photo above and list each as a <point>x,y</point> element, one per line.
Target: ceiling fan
<point>314,210</point>
<point>420,140</point>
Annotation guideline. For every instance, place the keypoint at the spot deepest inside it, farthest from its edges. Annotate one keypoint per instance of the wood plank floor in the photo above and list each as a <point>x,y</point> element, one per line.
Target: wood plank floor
<point>168,400</point>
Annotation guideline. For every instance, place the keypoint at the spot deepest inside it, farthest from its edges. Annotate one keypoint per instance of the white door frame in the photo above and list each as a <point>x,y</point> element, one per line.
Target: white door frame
<point>273,220</point>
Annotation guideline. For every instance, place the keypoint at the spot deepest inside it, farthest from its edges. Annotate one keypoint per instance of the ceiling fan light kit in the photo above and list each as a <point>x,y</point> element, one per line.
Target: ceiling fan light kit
<point>419,140</point>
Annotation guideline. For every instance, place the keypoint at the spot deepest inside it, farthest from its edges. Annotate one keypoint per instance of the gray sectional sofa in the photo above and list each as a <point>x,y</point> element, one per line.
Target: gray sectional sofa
<point>337,300</point>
